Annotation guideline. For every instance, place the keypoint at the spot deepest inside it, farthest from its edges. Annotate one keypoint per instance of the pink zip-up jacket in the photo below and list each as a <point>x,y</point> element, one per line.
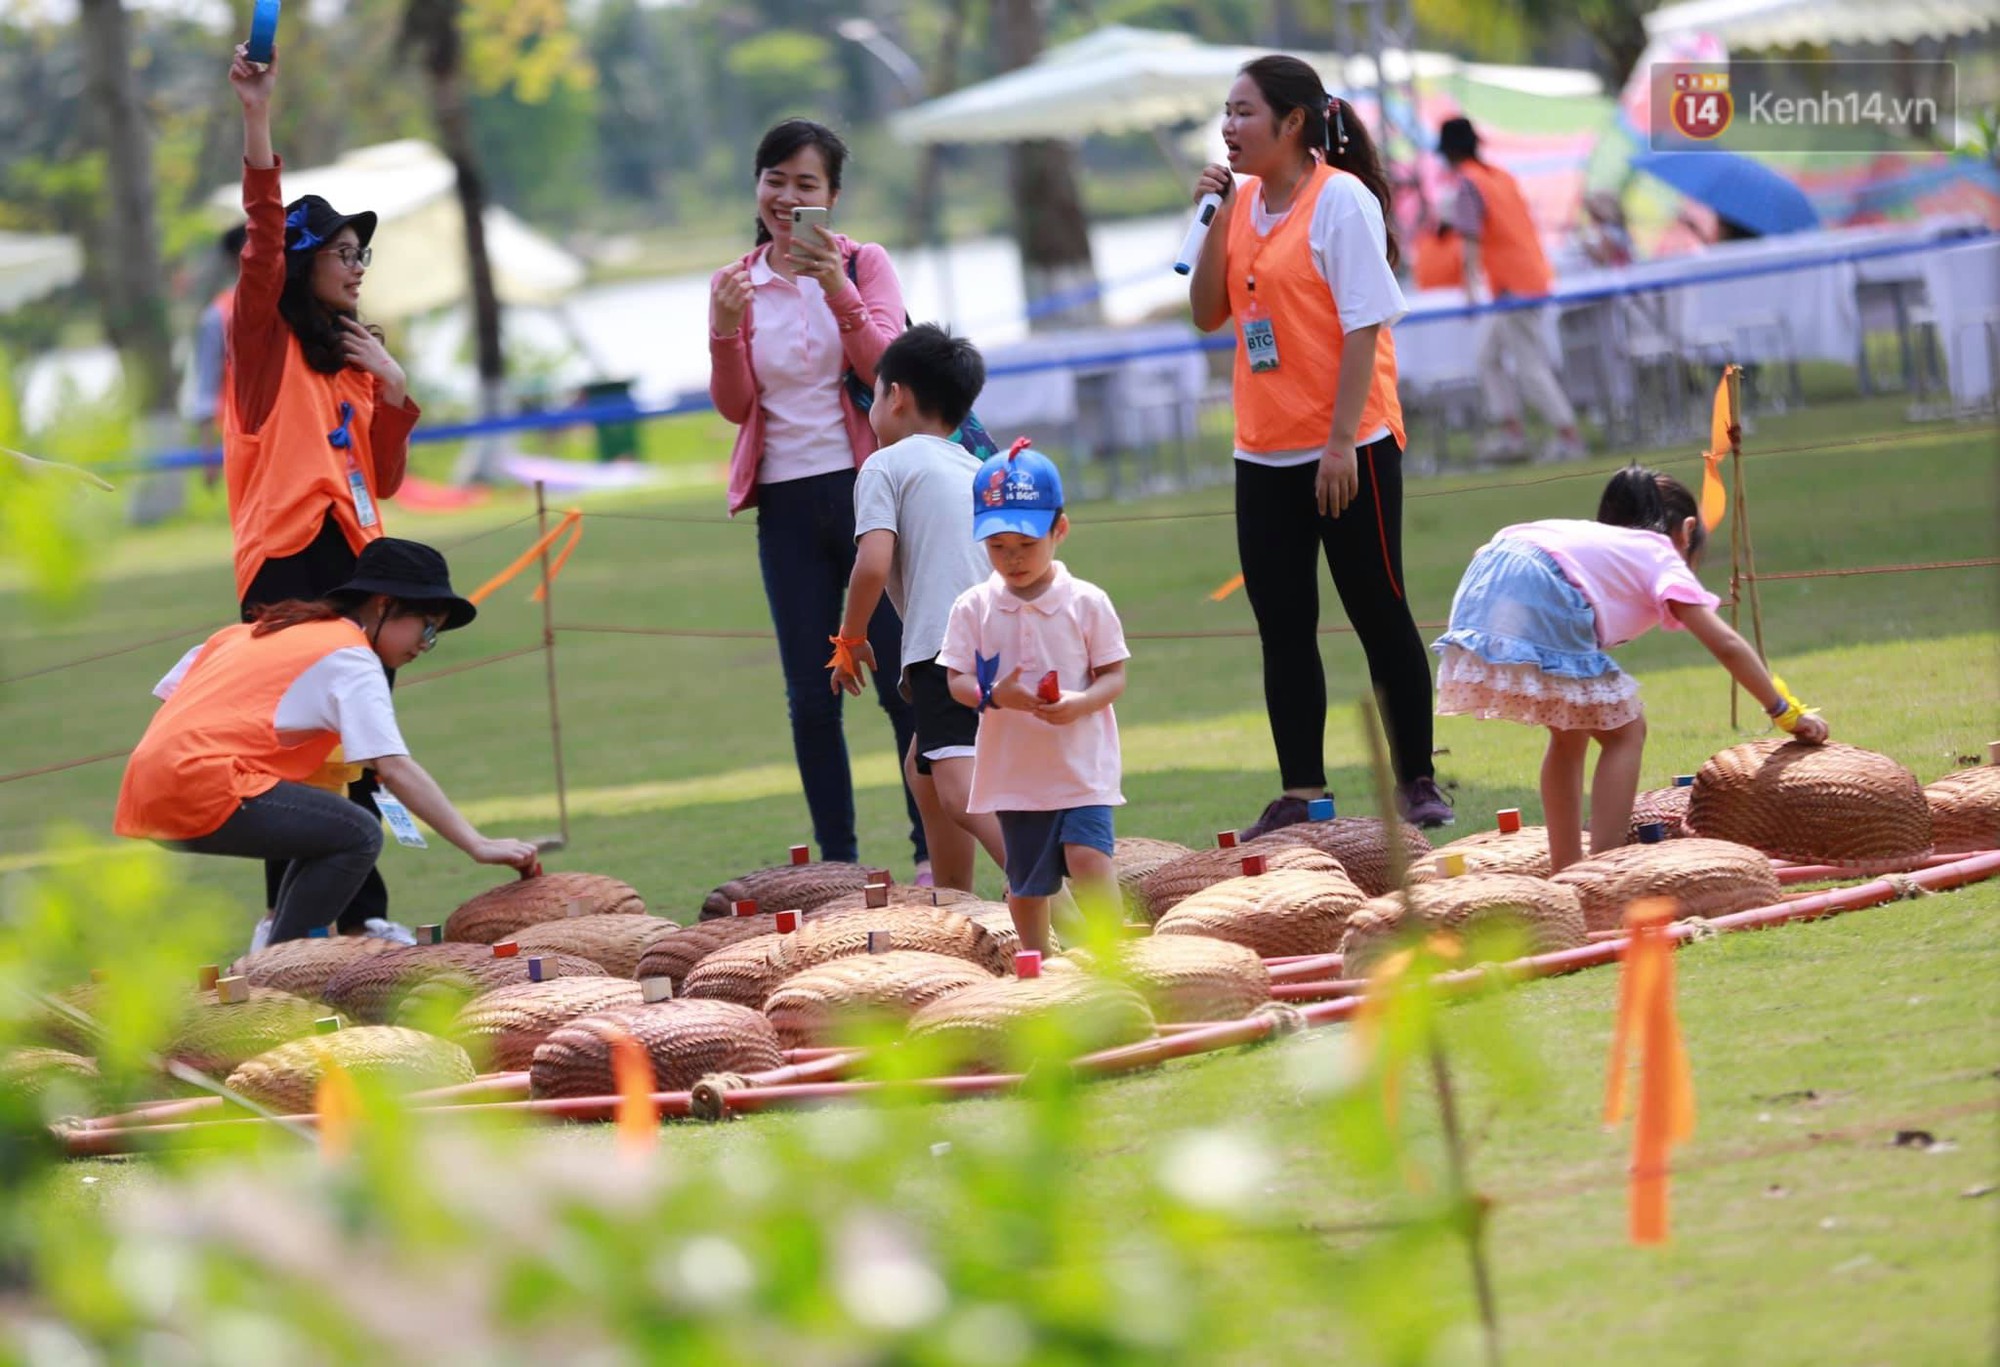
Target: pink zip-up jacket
<point>870,317</point>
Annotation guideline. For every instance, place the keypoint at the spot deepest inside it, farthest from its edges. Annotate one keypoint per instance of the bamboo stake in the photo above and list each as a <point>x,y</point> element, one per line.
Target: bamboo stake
<point>549,658</point>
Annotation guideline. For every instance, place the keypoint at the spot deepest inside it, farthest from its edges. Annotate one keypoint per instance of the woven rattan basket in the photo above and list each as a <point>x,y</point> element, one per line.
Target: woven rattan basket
<point>617,940</point>
<point>427,1004</point>
<point>900,895</point>
<point>786,887</point>
<point>370,989</point>
<point>1014,1022</point>
<point>1167,885</point>
<point>747,971</point>
<point>1271,914</point>
<point>1189,977</point>
<point>498,912</point>
<point>1705,877</point>
<point>999,923</point>
<point>686,1040</point>
<point>1135,857</point>
<point>1356,841</point>
<point>671,956</point>
<point>216,1036</point>
<point>1524,852</point>
<point>1965,810</point>
<point>503,1028</point>
<point>287,1078</point>
<point>302,967</point>
<point>813,1007</point>
<point>1822,804</point>
<point>1666,806</point>
<point>32,1072</point>
<point>1548,914</point>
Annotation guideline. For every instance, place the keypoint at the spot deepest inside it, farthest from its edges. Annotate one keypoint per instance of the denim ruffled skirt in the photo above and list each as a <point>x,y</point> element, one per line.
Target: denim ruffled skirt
<point>1523,646</point>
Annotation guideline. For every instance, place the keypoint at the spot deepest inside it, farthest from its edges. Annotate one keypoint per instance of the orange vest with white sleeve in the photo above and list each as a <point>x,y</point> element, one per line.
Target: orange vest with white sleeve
<point>305,458</point>
<point>1290,408</point>
<point>215,741</point>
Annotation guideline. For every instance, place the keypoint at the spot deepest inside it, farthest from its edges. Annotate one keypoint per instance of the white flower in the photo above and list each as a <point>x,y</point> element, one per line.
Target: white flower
<point>1215,1169</point>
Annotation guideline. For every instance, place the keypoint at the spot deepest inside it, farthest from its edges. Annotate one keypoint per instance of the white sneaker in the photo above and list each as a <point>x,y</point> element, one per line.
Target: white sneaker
<point>261,936</point>
<point>381,928</point>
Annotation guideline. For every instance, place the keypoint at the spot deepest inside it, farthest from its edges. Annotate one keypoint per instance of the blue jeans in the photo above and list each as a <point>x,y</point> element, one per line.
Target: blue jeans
<point>805,548</point>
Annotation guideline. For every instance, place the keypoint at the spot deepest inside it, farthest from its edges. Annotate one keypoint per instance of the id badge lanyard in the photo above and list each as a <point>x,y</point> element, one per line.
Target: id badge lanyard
<point>1260,340</point>
<point>341,439</point>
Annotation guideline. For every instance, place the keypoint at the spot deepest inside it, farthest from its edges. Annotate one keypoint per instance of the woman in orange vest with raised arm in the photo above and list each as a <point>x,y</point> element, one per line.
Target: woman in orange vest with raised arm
<point>1305,266</point>
<point>316,430</point>
<point>257,708</point>
<point>1504,260</point>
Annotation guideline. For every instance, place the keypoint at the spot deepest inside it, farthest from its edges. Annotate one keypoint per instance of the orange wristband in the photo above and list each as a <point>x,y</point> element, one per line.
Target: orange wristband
<point>843,653</point>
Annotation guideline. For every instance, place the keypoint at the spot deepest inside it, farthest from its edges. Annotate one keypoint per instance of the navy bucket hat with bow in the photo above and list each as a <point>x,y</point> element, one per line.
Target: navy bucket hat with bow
<point>311,223</point>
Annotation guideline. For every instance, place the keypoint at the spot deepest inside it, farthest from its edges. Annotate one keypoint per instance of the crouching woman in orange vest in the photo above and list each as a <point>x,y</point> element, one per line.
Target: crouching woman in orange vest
<point>1303,261</point>
<point>257,709</point>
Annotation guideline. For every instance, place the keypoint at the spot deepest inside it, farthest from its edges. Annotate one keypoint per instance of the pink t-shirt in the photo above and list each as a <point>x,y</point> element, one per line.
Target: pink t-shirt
<point>1022,763</point>
<point>798,360</point>
<point>1629,575</point>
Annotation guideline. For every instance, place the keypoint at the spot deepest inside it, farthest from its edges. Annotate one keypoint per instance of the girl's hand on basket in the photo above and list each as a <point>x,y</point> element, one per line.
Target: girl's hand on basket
<point>1338,481</point>
<point>1812,730</point>
<point>517,854</point>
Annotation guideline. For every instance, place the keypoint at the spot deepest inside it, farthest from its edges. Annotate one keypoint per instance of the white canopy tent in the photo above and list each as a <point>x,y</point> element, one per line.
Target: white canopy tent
<point>1122,80</point>
<point>420,240</point>
<point>33,265</point>
<point>1756,24</point>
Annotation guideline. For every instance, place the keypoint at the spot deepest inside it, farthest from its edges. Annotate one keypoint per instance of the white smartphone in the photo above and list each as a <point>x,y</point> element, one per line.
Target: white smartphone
<point>818,216</point>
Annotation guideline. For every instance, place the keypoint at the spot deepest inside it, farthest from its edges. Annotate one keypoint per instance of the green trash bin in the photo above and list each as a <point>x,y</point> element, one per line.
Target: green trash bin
<point>617,438</point>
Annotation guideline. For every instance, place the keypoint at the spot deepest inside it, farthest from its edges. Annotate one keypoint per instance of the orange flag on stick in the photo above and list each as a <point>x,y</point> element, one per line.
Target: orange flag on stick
<point>1722,438</point>
<point>339,1107</point>
<point>572,523</point>
<point>638,1119</point>
<point>1646,1025</point>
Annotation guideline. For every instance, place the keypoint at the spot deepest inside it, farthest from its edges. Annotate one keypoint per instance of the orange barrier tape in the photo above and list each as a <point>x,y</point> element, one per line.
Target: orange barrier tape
<point>572,523</point>
<point>1647,1026</point>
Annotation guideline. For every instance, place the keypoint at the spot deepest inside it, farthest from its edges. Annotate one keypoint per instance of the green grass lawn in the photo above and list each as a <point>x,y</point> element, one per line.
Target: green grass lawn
<point>1838,1247</point>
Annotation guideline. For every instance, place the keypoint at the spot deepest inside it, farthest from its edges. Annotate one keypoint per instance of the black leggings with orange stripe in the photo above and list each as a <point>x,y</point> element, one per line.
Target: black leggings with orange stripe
<point>1279,535</point>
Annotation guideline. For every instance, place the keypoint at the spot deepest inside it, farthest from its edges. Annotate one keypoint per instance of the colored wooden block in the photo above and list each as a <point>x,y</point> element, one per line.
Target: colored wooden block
<point>1253,864</point>
<point>880,942</point>
<point>1451,864</point>
<point>657,989</point>
<point>876,895</point>
<point>1652,833</point>
<point>208,976</point>
<point>326,1025</point>
<point>1320,809</point>
<point>1687,780</point>
<point>505,949</point>
<point>1510,819</point>
<point>802,854</point>
<point>788,921</point>
<point>430,935</point>
<point>1028,963</point>
<point>1225,840</point>
<point>746,906</point>
<point>534,968</point>
<point>232,991</point>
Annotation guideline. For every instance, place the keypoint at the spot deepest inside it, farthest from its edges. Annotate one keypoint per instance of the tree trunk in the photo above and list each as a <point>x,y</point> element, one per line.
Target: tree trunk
<point>134,306</point>
<point>1049,222</point>
<point>432,25</point>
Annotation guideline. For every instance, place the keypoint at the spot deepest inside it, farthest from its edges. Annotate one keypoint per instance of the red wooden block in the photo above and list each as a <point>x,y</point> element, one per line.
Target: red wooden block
<point>1253,864</point>
<point>505,949</point>
<point>1225,840</point>
<point>1510,819</point>
<point>802,854</point>
<point>746,907</point>
<point>1028,963</point>
<point>788,921</point>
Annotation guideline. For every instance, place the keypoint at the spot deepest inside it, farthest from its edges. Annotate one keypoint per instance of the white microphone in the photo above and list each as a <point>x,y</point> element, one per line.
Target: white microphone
<point>1197,233</point>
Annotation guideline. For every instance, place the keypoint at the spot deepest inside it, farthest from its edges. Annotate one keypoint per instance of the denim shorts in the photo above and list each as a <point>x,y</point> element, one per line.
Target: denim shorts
<point>1035,863</point>
<point>1514,607</point>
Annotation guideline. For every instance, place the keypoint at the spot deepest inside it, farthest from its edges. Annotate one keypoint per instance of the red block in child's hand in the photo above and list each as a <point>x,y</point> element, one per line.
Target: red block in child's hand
<point>1049,689</point>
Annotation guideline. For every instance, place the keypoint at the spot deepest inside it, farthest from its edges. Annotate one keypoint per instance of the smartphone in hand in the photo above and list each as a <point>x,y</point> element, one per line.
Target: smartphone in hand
<point>811,218</point>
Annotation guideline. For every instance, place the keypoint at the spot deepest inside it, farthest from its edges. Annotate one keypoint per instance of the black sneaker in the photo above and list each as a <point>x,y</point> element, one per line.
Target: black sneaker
<point>1424,803</point>
<point>1285,811</point>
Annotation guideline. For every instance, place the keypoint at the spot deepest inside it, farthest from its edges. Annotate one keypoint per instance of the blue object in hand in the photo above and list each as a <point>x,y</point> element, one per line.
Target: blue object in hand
<point>986,671</point>
<point>263,31</point>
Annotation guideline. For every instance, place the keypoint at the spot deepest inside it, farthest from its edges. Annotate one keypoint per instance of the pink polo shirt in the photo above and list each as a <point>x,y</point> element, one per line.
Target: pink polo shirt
<point>797,358</point>
<point>1022,763</point>
<point>1631,576</point>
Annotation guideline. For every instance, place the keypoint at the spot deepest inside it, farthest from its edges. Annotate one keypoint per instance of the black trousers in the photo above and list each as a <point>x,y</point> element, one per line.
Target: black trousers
<point>323,566</point>
<point>1280,535</point>
<point>326,847</point>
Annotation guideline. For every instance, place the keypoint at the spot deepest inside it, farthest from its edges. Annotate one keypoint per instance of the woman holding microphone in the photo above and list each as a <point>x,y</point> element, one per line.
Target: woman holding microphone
<point>1302,262</point>
<point>253,712</point>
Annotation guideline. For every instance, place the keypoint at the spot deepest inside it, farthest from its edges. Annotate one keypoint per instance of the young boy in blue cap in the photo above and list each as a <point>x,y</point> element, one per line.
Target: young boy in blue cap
<point>1042,655</point>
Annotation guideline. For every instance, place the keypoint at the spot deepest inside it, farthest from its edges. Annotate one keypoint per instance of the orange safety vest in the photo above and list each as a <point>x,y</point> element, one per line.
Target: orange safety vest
<point>1440,263</point>
<point>283,477</point>
<point>216,742</point>
<point>1291,408</point>
<point>1510,250</point>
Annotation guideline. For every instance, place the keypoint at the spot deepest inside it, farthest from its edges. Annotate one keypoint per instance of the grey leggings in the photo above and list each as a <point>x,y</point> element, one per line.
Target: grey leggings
<point>329,842</point>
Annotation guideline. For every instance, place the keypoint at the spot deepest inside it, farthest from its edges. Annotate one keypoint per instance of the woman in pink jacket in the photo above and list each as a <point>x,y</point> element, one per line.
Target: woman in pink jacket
<point>788,324</point>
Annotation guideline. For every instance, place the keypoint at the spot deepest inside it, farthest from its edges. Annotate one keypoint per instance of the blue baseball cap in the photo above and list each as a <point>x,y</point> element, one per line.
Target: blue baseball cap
<point>1019,492</point>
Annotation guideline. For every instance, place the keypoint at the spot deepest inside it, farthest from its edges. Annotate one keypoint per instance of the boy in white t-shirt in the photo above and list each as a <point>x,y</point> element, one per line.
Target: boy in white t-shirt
<point>1042,655</point>
<point>909,536</point>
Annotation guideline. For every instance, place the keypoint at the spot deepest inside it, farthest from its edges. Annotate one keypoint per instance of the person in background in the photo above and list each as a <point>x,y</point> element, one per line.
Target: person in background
<point>316,425</point>
<point>206,387</point>
<point>1532,619</point>
<point>1504,262</point>
<point>909,530</point>
<point>1440,263</point>
<point>1303,262</point>
<point>1041,655</point>
<point>795,328</point>
<point>253,712</point>
<point>1603,236</point>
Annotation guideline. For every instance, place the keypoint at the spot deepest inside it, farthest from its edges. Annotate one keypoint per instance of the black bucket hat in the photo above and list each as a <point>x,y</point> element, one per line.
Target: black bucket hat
<point>410,572</point>
<point>1457,138</point>
<point>310,223</point>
